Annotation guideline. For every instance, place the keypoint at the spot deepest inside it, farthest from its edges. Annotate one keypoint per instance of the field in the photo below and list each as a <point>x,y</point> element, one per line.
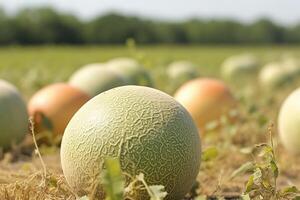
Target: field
<point>22,176</point>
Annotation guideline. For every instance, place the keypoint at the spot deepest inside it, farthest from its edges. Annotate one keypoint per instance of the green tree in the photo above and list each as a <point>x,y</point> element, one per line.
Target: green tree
<point>6,29</point>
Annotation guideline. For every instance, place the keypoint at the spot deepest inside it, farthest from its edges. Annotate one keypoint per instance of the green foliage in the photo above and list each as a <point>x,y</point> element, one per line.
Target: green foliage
<point>242,169</point>
<point>114,184</point>
<point>262,183</point>
<point>112,180</point>
<point>45,25</point>
<point>202,197</point>
<point>209,153</point>
<point>155,192</point>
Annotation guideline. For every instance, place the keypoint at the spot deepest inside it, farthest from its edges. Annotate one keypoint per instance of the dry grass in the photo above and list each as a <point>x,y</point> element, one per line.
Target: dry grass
<point>25,179</point>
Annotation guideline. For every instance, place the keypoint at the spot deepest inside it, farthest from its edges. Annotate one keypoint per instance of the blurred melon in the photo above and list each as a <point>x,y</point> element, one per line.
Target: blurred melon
<point>289,122</point>
<point>206,99</point>
<point>291,66</point>
<point>53,106</point>
<point>180,72</point>
<point>240,67</point>
<point>132,70</point>
<point>277,74</point>
<point>13,115</point>
<point>96,78</point>
<point>271,76</point>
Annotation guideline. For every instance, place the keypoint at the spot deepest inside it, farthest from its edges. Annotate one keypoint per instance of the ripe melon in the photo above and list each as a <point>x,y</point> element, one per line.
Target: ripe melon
<point>289,122</point>
<point>273,76</point>
<point>291,66</point>
<point>180,72</point>
<point>96,78</point>
<point>206,99</point>
<point>240,67</point>
<point>52,107</point>
<point>131,69</point>
<point>13,115</point>
<point>146,129</point>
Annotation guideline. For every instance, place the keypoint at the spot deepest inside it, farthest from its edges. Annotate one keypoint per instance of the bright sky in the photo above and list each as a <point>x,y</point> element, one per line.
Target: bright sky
<point>283,11</point>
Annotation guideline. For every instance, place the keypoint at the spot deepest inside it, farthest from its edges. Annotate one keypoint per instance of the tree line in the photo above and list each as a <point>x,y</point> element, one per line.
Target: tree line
<point>47,26</point>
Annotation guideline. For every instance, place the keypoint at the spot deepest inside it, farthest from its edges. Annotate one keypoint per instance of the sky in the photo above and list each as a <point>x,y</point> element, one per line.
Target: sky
<point>281,11</point>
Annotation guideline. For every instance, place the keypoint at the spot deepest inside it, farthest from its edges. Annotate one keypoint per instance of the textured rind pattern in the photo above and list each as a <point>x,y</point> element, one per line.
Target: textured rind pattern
<point>146,129</point>
<point>289,122</point>
<point>13,115</point>
<point>95,79</point>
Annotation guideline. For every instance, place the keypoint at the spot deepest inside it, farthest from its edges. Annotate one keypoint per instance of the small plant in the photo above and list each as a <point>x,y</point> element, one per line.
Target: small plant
<point>114,185</point>
<point>155,192</point>
<point>113,181</point>
<point>262,183</point>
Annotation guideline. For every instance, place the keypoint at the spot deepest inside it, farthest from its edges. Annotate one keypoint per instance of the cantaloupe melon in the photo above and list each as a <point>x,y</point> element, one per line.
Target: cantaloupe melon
<point>272,76</point>
<point>240,67</point>
<point>13,115</point>
<point>96,78</point>
<point>291,67</point>
<point>53,106</point>
<point>180,72</point>
<point>146,129</point>
<point>131,69</point>
<point>206,99</point>
<point>289,122</point>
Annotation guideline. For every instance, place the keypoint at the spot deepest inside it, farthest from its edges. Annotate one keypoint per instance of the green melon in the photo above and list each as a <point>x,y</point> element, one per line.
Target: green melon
<point>240,67</point>
<point>180,72</point>
<point>289,122</point>
<point>132,70</point>
<point>291,66</point>
<point>95,78</point>
<point>13,115</point>
<point>146,129</point>
<point>272,76</point>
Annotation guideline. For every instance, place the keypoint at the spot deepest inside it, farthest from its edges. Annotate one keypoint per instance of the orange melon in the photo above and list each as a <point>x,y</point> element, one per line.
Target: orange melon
<point>206,100</point>
<point>53,106</point>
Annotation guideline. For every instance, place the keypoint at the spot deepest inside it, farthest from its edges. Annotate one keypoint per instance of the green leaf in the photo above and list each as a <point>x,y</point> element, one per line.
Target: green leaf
<point>112,180</point>
<point>252,109</point>
<point>242,169</point>
<point>210,153</point>
<point>250,183</point>
<point>246,197</point>
<point>291,189</point>
<point>274,168</point>
<point>262,120</point>
<point>268,150</point>
<point>257,176</point>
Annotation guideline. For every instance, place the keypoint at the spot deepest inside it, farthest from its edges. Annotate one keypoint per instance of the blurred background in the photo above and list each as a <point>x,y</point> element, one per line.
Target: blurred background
<point>45,41</point>
<point>149,22</point>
